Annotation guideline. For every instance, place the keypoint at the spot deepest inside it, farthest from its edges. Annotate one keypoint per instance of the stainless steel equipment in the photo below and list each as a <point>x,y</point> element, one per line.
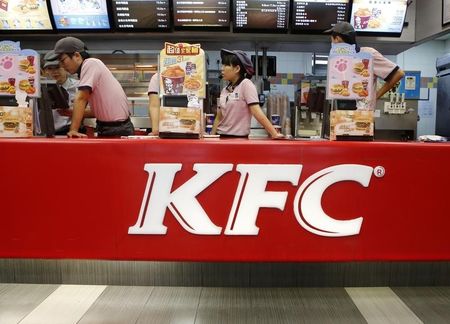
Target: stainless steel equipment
<point>443,96</point>
<point>397,125</point>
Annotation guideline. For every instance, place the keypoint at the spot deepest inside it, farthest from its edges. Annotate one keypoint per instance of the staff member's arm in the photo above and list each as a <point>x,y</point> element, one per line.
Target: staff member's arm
<point>216,122</point>
<point>256,111</point>
<point>153,109</point>
<point>79,106</point>
<point>390,82</point>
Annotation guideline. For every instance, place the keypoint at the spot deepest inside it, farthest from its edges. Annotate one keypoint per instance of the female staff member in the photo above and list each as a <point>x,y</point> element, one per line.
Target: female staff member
<point>239,100</point>
<point>154,103</point>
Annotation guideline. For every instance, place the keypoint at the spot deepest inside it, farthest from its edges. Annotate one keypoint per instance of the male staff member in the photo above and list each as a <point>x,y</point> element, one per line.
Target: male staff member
<point>98,87</point>
<point>54,71</point>
<point>343,32</point>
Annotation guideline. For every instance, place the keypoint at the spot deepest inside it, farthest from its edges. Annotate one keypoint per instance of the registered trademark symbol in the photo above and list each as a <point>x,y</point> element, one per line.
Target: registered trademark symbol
<point>379,172</point>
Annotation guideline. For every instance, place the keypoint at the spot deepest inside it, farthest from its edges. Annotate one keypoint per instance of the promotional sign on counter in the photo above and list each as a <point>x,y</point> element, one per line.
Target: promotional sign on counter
<point>182,73</point>
<point>350,78</point>
<point>16,121</point>
<point>351,123</point>
<point>19,70</point>
<point>19,77</point>
<point>350,74</point>
<point>182,70</point>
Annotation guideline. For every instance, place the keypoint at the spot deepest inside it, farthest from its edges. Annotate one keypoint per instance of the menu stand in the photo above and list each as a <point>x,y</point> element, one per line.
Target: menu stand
<point>182,80</point>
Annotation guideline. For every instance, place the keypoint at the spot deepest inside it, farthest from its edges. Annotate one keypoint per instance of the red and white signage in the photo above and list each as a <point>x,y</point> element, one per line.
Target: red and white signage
<point>229,200</point>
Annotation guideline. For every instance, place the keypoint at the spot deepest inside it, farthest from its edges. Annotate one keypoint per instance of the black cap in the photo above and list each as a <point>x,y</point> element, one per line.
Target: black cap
<point>343,28</point>
<point>242,57</point>
<point>51,59</point>
<point>69,45</point>
<point>51,56</point>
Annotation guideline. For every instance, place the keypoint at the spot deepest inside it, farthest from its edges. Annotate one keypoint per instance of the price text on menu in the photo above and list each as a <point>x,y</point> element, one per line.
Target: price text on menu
<point>319,14</point>
<point>200,13</point>
<point>265,14</point>
<point>147,14</point>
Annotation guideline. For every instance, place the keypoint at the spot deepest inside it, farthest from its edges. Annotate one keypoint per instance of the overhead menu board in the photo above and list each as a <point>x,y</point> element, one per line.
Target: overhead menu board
<point>201,13</point>
<point>384,17</point>
<point>24,15</point>
<point>141,14</point>
<point>80,14</point>
<point>263,15</point>
<point>318,15</point>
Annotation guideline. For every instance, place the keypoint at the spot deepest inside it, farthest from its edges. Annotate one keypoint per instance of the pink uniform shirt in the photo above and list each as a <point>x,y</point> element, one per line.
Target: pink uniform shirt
<point>234,106</point>
<point>153,86</point>
<point>382,68</point>
<point>108,101</point>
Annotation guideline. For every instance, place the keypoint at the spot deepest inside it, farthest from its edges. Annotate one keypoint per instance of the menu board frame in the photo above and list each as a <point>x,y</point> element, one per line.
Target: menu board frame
<point>445,12</point>
<point>259,30</point>
<point>142,29</point>
<point>299,30</point>
<point>201,28</point>
<point>83,30</point>
<point>379,33</point>
<point>34,31</point>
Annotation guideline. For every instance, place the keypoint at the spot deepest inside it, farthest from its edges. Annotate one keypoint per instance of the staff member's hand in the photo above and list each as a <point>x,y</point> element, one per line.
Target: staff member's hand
<point>278,136</point>
<point>75,134</point>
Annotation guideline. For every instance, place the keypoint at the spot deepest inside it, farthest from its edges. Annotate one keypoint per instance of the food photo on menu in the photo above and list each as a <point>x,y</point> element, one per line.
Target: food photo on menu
<point>24,15</point>
<point>80,14</point>
<point>383,16</point>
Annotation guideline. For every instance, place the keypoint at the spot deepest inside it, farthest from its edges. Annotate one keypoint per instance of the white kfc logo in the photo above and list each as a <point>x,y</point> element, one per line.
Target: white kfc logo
<point>250,196</point>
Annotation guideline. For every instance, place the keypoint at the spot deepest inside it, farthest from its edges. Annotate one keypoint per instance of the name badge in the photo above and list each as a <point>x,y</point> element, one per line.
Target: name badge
<point>233,96</point>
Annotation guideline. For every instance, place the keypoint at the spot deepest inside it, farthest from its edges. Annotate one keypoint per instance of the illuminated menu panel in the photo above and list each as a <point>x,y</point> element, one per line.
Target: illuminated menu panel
<point>80,14</point>
<point>264,15</point>
<point>318,15</point>
<point>201,13</point>
<point>379,16</point>
<point>141,14</point>
<point>24,15</point>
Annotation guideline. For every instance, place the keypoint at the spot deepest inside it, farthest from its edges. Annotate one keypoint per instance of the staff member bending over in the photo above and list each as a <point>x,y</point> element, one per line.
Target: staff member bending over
<point>239,100</point>
<point>98,87</point>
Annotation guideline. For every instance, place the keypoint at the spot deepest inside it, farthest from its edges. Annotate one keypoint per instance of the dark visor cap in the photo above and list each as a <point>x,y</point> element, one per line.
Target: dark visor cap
<point>342,28</point>
<point>242,57</point>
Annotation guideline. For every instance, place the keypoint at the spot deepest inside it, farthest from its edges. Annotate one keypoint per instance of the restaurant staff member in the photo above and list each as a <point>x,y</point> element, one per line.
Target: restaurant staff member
<point>239,99</point>
<point>343,32</point>
<point>69,85</point>
<point>98,87</point>
<point>154,103</point>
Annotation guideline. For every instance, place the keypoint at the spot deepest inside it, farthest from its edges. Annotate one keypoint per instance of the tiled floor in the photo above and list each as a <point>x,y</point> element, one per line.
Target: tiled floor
<point>36,303</point>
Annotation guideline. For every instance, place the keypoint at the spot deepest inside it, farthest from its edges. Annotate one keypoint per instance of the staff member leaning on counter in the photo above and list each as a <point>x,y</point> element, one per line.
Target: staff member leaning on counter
<point>98,87</point>
<point>343,32</point>
<point>239,99</point>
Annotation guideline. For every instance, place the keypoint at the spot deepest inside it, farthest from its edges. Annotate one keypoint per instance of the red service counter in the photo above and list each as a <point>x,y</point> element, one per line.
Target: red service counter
<point>224,200</point>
